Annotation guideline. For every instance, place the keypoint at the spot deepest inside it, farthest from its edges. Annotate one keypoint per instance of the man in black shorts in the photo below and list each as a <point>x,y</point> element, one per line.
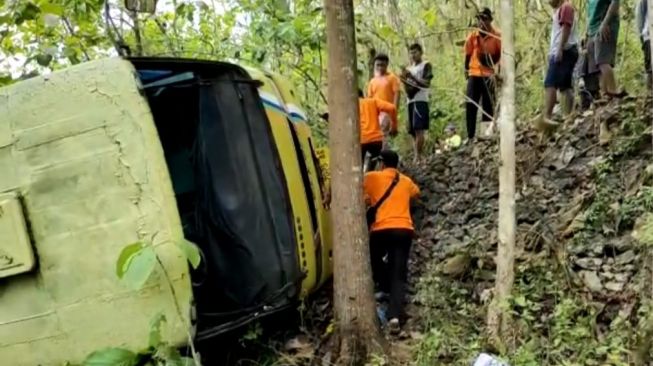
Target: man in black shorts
<point>417,80</point>
<point>563,54</point>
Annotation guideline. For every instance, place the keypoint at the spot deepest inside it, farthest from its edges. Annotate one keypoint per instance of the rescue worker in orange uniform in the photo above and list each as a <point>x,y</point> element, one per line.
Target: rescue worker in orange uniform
<point>391,231</point>
<point>482,54</point>
<point>372,135</point>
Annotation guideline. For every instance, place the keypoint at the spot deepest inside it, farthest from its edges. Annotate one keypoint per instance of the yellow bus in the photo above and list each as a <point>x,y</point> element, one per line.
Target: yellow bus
<point>116,151</point>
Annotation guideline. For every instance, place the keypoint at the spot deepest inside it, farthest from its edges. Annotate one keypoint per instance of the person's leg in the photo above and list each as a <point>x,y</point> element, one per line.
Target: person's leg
<point>364,149</point>
<point>550,89</point>
<point>411,118</point>
<point>566,86</point>
<point>605,55</point>
<point>474,89</point>
<point>420,126</point>
<point>379,268</point>
<point>399,251</point>
<point>487,96</point>
<point>374,148</point>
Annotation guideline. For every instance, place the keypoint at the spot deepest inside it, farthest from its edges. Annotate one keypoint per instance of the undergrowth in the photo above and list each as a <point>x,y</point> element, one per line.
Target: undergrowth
<point>554,321</point>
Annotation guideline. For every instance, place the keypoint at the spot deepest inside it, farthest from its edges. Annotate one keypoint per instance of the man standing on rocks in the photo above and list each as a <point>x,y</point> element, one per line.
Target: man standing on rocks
<point>417,80</point>
<point>482,54</point>
<point>391,231</point>
<point>563,54</point>
<point>385,86</point>
<point>603,32</point>
<point>642,30</point>
<point>371,133</point>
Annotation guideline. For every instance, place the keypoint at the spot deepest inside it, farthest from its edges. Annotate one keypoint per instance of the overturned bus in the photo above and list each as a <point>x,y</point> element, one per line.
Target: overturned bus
<point>116,151</point>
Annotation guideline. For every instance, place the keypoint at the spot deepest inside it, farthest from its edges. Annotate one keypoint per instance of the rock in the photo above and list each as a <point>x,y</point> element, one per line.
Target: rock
<point>416,335</point>
<point>626,258</point>
<point>457,265</point>
<point>629,268</point>
<point>621,277</point>
<point>619,245</point>
<point>589,263</point>
<point>606,275</point>
<point>615,286</point>
<point>591,281</point>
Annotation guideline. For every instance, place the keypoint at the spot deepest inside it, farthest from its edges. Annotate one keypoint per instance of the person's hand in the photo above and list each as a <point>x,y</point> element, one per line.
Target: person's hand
<point>604,31</point>
<point>466,74</point>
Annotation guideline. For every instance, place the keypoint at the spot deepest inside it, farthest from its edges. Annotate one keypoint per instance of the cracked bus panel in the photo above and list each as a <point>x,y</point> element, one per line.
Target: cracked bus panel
<point>112,152</point>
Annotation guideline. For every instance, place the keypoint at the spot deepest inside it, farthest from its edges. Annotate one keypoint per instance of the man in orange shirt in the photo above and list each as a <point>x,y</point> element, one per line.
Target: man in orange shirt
<point>385,86</point>
<point>371,133</point>
<point>391,232</point>
<point>482,54</point>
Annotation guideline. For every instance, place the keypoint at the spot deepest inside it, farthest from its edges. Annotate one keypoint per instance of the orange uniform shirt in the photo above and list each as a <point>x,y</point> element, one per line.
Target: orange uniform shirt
<point>369,110</point>
<point>384,87</point>
<point>394,213</point>
<point>475,46</point>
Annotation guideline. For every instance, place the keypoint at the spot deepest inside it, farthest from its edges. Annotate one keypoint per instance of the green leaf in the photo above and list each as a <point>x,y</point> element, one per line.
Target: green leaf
<point>386,32</point>
<point>191,252</point>
<point>520,301</point>
<point>140,267</point>
<point>49,8</point>
<point>29,12</point>
<point>44,59</point>
<point>155,330</point>
<point>126,255</point>
<point>111,357</point>
<point>430,17</point>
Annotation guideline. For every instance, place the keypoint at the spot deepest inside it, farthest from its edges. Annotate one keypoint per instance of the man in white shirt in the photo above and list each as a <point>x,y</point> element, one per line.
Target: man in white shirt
<point>417,80</point>
<point>642,30</point>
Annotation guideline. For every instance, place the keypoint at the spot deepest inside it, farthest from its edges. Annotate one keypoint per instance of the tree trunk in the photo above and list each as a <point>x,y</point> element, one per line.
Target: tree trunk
<point>498,314</point>
<point>357,333</point>
<point>642,354</point>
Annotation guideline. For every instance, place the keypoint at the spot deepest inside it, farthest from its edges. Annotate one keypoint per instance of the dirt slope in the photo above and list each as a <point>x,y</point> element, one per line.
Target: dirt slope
<point>577,204</point>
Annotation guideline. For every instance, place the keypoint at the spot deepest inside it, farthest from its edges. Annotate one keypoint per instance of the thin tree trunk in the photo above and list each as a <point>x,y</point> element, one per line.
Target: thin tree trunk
<point>137,33</point>
<point>357,333</point>
<point>643,351</point>
<point>498,314</point>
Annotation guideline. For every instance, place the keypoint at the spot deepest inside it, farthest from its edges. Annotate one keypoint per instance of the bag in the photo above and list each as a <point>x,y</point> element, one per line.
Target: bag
<point>370,215</point>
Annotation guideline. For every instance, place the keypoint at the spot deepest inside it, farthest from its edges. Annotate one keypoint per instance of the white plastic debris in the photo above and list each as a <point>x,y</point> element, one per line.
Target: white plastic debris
<point>487,360</point>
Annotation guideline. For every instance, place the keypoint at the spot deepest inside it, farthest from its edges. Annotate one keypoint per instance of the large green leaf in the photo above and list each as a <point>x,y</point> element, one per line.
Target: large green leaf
<point>111,357</point>
<point>126,255</point>
<point>191,252</point>
<point>140,268</point>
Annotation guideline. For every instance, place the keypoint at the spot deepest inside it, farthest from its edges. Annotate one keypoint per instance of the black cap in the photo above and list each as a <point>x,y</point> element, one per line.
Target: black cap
<point>485,13</point>
<point>389,158</point>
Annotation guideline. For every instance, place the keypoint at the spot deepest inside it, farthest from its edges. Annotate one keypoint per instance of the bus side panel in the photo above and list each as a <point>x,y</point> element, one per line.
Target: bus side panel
<point>300,208</point>
<point>304,134</point>
<point>85,157</point>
